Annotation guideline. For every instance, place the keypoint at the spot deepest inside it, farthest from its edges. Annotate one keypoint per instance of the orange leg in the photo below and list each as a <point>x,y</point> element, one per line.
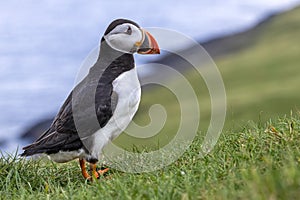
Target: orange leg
<point>93,170</point>
<point>83,169</point>
<point>98,173</point>
<point>95,173</point>
<point>103,171</point>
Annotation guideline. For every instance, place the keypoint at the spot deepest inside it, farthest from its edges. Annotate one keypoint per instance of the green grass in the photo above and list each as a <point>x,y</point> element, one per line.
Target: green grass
<point>258,162</point>
<point>265,76</point>
<point>256,157</point>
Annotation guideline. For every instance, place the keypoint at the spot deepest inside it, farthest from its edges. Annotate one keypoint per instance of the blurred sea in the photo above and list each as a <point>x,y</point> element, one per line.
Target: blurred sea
<point>42,44</point>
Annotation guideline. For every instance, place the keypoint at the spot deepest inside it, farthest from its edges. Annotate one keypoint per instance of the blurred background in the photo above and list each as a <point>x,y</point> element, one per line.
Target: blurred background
<point>42,45</point>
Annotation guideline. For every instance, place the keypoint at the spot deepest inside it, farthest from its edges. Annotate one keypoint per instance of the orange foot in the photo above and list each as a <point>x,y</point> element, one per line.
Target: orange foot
<point>95,174</point>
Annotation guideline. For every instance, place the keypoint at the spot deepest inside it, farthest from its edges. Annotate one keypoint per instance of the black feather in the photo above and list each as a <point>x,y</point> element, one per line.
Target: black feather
<point>62,135</point>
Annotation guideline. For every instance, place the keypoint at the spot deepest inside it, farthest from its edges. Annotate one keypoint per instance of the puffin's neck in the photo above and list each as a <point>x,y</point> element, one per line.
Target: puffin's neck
<point>111,63</point>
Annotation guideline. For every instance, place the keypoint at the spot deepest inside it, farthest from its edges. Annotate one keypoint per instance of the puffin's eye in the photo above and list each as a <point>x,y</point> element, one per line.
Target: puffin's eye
<point>129,30</point>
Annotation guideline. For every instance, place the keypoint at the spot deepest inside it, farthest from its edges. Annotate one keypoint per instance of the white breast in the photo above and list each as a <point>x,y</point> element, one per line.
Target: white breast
<point>128,89</point>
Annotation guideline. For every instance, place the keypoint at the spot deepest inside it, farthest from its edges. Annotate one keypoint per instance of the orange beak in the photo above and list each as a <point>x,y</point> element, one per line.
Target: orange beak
<point>148,45</point>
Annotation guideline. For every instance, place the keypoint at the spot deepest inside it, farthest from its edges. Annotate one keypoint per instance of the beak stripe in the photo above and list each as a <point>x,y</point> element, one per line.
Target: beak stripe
<point>138,44</point>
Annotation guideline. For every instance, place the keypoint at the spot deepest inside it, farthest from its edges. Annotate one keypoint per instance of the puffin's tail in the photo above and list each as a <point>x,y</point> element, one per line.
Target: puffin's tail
<point>30,150</point>
<point>33,148</point>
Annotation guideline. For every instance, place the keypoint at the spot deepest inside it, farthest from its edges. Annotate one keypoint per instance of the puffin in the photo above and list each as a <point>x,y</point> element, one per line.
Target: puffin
<point>102,104</point>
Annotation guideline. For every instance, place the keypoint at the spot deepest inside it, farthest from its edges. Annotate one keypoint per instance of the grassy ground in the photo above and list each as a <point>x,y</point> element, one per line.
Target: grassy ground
<point>252,160</point>
<point>265,76</point>
<point>259,162</point>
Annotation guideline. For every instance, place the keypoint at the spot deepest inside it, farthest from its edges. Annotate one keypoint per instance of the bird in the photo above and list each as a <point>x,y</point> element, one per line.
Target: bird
<point>102,105</point>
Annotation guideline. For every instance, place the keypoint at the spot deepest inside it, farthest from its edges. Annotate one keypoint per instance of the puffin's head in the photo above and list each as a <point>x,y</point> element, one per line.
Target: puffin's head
<point>126,36</point>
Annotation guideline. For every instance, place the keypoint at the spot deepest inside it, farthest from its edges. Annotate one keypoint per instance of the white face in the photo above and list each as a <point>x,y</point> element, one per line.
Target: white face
<point>124,38</point>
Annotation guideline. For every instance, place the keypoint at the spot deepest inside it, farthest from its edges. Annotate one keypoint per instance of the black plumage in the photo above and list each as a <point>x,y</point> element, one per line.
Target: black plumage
<point>62,135</point>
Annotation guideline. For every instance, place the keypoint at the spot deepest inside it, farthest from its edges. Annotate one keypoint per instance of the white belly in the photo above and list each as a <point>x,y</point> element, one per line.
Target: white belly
<point>128,89</point>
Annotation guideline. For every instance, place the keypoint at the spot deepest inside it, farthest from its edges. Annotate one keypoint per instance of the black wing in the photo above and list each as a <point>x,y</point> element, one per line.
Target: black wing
<point>96,88</point>
<point>62,134</point>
